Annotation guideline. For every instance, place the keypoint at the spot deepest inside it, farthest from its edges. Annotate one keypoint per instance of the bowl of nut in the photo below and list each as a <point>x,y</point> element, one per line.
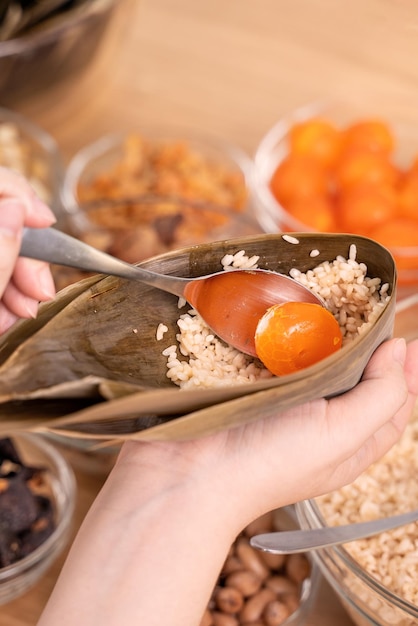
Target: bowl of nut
<point>37,497</point>
<point>256,587</point>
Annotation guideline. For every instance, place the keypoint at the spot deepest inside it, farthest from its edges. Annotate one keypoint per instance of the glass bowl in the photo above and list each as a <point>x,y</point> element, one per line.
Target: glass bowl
<point>31,151</point>
<point>289,583</point>
<point>59,487</point>
<point>374,578</point>
<point>273,216</point>
<point>366,600</point>
<point>145,193</point>
<point>61,49</point>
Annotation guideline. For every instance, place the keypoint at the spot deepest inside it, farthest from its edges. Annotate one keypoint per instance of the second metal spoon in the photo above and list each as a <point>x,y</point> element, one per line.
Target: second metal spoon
<point>230,302</point>
<point>290,542</point>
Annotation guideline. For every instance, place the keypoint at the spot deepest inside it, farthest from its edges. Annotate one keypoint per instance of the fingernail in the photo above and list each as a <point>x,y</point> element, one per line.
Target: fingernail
<point>46,283</point>
<point>11,218</point>
<point>399,351</point>
<point>31,307</point>
<point>43,209</point>
<point>7,319</point>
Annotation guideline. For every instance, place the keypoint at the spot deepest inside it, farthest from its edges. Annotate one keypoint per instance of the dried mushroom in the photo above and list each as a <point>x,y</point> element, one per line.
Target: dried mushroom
<point>26,511</point>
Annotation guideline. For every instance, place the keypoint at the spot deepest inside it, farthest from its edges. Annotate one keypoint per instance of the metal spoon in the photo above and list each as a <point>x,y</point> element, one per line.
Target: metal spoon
<point>290,542</point>
<point>230,302</point>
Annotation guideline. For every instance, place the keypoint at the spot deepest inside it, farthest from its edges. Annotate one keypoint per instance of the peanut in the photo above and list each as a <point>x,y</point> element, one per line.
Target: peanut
<point>281,585</point>
<point>256,588</point>
<point>254,606</point>
<point>251,559</point>
<point>292,601</point>
<point>223,619</point>
<point>229,600</point>
<point>232,564</point>
<point>246,581</point>
<point>275,613</point>
<point>297,567</point>
<point>273,561</point>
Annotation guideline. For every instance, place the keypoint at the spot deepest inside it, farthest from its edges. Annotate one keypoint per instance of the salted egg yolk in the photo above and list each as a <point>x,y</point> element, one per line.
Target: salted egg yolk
<point>293,335</point>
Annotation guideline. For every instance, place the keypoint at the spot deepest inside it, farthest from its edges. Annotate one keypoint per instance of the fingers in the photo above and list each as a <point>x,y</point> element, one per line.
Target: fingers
<point>34,279</point>
<point>377,410</point>
<point>15,188</point>
<point>7,319</point>
<point>23,282</point>
<point>380,394</point>
<point>12,219</point>
<point>32,282</point>
<point>37,281</point>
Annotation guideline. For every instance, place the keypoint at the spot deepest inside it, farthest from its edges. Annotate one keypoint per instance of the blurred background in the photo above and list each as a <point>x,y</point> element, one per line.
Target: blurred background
<point>228,69</point>
<point>232,68</point>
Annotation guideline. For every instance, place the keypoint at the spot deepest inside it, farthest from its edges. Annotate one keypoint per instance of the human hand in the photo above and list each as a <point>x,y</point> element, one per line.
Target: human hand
<point>298,453</point>
<point>23,282</point>
<point>169,511</point>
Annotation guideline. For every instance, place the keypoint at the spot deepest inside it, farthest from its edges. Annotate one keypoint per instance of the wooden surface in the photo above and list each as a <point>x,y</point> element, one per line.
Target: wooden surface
<point>232,68</point>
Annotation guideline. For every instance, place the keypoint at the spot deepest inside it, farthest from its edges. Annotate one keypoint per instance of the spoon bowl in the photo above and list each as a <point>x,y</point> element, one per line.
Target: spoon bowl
<point>230,302</point>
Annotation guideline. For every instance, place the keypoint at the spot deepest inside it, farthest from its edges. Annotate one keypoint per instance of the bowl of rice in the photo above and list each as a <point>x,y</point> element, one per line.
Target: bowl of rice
<point>376,578</point>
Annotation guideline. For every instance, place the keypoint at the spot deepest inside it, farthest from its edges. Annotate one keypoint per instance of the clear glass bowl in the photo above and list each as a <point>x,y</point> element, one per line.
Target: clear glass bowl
<point>368,602</point>
<point>141,194</point>
<point>60,50</point>
<point>31,151</point>
<point>18,577</point>
<point>273,148</point>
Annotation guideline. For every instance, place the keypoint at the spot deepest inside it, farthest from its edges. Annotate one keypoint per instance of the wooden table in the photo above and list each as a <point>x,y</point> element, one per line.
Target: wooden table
<point>231,68</point>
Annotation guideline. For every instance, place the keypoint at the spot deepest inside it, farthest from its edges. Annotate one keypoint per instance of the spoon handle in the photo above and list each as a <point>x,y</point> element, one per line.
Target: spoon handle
<point>293,541</point>
<point>54,246</point>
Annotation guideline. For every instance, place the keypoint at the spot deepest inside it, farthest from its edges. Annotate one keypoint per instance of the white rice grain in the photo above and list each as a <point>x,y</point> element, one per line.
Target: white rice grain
<point>353,298</point>
<point>290,239</point>
<point>201,360</point>
<point>161,330</point>
<point>239,260</point>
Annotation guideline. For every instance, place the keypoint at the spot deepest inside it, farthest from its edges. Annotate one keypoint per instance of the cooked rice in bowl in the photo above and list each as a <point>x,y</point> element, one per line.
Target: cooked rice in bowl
<point>200,359</point>
<point>376,577</point>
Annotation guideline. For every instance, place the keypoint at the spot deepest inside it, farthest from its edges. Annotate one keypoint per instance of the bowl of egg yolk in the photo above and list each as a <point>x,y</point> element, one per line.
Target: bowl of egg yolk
<point>335,168</point>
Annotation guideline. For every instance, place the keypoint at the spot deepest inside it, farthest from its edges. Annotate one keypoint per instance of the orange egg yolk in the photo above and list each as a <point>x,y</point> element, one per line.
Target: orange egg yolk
<point>293,335</point>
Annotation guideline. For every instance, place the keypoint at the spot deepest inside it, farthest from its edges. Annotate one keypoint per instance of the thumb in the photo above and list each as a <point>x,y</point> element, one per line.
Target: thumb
<point>12,216</point>
<point>381,394</point>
